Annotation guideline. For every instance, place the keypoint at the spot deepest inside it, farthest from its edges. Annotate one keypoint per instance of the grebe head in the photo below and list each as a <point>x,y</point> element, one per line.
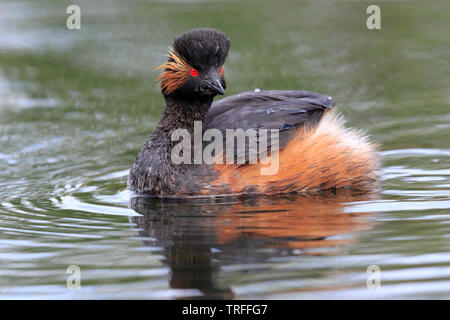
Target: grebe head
<point>195,65</point>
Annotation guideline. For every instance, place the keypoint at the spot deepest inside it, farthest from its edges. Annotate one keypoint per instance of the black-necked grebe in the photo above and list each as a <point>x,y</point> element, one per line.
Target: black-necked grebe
<point>315,150</point>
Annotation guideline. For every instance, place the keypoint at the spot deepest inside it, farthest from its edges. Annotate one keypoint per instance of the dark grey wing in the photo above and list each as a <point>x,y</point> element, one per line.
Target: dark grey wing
<point>284,110</point>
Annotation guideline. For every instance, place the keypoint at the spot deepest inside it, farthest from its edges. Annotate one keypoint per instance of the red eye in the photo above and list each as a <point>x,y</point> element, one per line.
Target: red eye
<point>193,72</point>
<point>221,70</point>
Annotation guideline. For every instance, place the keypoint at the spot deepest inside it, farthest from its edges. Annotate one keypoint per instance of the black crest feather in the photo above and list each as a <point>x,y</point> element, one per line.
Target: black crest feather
<point>203,47</point>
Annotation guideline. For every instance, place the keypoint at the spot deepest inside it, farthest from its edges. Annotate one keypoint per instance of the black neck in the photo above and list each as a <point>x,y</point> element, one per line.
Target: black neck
<point>154,168</point>
<point>181,114</point>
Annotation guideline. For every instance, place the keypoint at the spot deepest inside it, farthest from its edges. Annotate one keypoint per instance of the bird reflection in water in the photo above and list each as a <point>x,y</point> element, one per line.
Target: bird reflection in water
<point>199,236</point>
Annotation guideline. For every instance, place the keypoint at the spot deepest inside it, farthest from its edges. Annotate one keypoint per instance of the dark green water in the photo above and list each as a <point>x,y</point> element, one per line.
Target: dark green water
<point>76,107</point>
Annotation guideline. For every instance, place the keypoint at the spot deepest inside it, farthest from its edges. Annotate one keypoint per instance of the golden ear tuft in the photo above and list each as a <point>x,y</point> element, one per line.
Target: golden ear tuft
<point>175,74</point>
